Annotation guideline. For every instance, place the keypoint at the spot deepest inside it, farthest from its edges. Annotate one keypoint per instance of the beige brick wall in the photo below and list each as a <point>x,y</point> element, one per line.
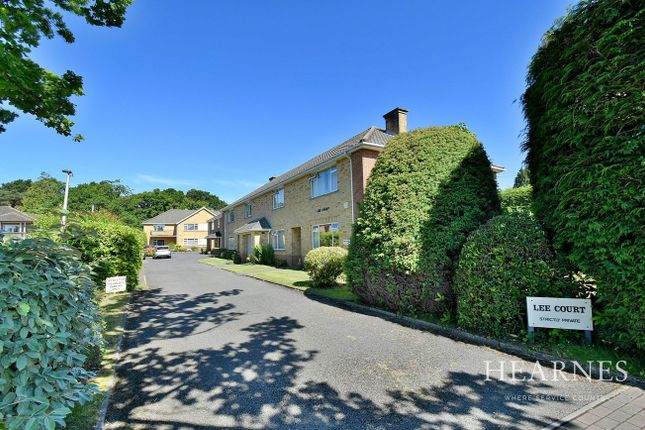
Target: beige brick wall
<point>300,211</point>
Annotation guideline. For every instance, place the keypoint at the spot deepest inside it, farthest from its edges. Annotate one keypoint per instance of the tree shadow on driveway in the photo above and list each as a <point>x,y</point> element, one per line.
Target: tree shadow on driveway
<point>154,316</point>
<point>256,384</point>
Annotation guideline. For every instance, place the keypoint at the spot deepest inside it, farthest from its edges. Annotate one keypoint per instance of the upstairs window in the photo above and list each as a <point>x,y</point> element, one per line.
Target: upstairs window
<point>248,210</point>
<point>324,182</point>
<point>158,227</point>
<point>230,216</point>
<point>278,199</point>
<point>191,227</point>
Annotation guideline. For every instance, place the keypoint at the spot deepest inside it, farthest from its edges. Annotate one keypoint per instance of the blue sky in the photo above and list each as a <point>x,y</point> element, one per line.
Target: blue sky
<point>222,95</point>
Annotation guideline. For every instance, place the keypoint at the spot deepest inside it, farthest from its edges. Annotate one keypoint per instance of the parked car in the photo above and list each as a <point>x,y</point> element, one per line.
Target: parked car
<point>161,252</point>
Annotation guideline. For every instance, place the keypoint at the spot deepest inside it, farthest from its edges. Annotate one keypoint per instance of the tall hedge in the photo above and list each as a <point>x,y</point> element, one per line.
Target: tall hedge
<point>501,263</point>
<point>586,153</point>
<point>517,199</point>
<point>48,322</point>
<point>428,190</point>
<point>110,248</point>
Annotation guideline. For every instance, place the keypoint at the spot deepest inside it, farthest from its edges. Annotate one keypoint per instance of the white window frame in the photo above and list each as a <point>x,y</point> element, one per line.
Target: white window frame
<point>248,210</point>
<point>158,227</point>
<point>191,241</point>
<point>332,185</point>
<point>316,229</point>
<point>230,217</point>
<point>194,227</point>
<point>278,204</point>
<point>275,242</point>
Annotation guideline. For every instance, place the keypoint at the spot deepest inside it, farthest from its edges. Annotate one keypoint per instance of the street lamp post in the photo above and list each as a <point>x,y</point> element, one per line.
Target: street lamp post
<point>64,217</point>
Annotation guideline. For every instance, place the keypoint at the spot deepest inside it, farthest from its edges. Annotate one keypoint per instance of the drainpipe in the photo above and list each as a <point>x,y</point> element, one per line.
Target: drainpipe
<point>351,183</point>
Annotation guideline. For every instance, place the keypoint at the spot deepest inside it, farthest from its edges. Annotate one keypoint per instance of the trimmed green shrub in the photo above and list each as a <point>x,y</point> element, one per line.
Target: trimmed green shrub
<point>263,254</point>
<point>48,322</point>
<point>584,110</point>
<point>501,263</point>
<point>325,265</point>
<point>236,257</point>
<point>517,199</point>
<point>428,190</point>
<point>175,247</point>
<point>110,249</point>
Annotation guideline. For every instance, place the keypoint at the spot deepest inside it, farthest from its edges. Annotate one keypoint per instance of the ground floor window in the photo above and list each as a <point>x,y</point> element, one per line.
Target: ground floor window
<point>158,242</point>
<point>231,242</point>
<point>325,235</point>
<point>191,242</point>
<point>10,228</point>
<point>278,240</point>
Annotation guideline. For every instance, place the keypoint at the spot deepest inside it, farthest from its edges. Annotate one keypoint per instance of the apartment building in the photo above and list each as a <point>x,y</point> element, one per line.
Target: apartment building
<point>313,204</point>
<point>187,227</point>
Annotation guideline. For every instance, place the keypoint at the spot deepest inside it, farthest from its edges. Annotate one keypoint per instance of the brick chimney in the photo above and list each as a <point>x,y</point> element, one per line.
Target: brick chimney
<point>396,121</point>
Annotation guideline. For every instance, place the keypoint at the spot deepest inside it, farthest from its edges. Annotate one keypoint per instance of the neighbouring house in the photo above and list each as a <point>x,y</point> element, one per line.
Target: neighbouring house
<point>215,232</point>
<point>187,227</point>
<point>313,204</point>
<point>14,223</point>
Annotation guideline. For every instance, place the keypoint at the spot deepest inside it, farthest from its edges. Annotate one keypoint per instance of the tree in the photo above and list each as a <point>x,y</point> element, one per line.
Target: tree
<point>428,190</point>
<point>523,177</point>
<point>27,86</point>
<point>585,148</point>
<point>136,208</point>
<point>11,192</point>
<point>204,198</point>
<point>103,195</point>
<point>43,196</point>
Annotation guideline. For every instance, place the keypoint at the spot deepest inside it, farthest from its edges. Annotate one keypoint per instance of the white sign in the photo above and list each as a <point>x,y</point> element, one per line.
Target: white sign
<point>549,312</point>
<point>345,242</point>
<point>115,284</point>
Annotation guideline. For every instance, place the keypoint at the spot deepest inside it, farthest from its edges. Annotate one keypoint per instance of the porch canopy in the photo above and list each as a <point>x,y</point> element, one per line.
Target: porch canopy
<point>257,226</point>
<point>215,235</point>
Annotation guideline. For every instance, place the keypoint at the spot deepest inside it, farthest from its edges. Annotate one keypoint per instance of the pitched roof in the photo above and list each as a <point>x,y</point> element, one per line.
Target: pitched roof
<point>9,214</point>
<point>373,135</point>
<point>175,216</point>
<point>260,224</point>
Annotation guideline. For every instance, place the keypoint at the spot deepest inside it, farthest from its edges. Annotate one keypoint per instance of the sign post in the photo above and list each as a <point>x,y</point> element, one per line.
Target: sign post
<point>115,284</point>
<point>568,314</point>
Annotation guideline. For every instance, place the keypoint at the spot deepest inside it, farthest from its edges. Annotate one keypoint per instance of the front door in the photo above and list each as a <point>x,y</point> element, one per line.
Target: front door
<point>249,245</point>
<point>296,239</point>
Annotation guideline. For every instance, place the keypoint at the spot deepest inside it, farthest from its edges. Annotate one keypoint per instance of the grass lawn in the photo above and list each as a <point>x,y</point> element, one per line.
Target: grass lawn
<point>214,261</point>
<point>84,417</point>
<point>298,279</point>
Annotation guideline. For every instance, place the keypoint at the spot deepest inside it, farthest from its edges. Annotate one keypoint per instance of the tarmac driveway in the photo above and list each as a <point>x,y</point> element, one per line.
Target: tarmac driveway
<point>208,349</point>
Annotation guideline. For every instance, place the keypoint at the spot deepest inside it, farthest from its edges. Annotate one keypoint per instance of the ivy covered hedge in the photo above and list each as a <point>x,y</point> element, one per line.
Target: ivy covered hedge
<point>517,199</point>
<point>501,263</point>
<point>428,190</point>
<point>48,322</point>
<point>584,109</point>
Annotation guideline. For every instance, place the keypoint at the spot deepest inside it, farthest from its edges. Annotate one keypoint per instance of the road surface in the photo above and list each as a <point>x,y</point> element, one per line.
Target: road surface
<point>209,349</point>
